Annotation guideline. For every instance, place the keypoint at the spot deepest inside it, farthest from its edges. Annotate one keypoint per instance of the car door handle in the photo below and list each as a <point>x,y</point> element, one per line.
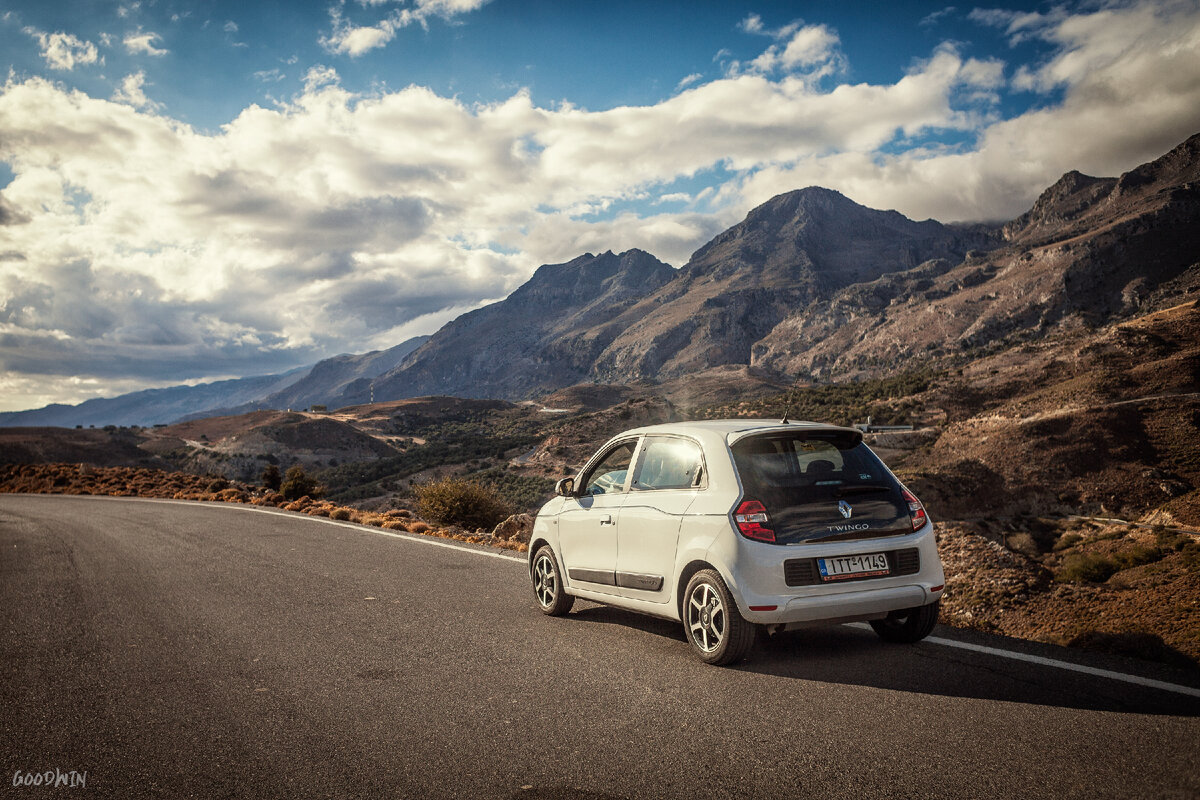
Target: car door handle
<point>606,519</point>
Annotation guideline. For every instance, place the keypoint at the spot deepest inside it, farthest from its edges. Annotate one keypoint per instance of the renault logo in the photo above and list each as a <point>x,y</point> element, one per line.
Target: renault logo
<point>845,508</point>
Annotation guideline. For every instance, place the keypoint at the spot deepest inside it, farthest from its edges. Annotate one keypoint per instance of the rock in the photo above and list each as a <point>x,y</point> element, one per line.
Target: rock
<point>516,528</point>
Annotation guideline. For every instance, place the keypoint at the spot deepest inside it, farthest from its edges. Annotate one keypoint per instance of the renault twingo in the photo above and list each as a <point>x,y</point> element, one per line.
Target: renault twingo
<point>726,525</point>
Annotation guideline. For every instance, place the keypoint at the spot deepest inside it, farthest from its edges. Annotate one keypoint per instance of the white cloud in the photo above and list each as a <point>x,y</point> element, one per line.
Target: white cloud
<point>811,49</point>
<point>144,43</point>
<point>231,27</point>
<point>136,248</point>
<point>751,24</point>
<point>354,40</point>
<point>64,51</point>
<point>132,91</point>
<point>688,80</point>
<point>933,18</point>
<point>809,45</point>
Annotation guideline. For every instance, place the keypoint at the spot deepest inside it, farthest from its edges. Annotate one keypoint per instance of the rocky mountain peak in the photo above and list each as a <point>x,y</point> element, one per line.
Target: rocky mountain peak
<point>1071,196</point>
<point>589,274</point>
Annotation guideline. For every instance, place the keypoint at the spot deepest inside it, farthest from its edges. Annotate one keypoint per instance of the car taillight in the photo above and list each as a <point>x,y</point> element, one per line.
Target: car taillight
<point>916,511</point>
<point>753,522</point>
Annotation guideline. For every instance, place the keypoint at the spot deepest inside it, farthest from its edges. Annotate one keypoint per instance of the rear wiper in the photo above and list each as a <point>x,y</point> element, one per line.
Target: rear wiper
<point>861,488</point>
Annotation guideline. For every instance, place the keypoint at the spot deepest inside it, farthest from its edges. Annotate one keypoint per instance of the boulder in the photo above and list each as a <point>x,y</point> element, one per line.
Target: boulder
<point>517,528</point>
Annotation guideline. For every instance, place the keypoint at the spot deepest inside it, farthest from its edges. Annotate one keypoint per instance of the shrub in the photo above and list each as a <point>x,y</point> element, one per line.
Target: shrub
<point>297,484</point>
<point>454,501</point>
<point>1087,567</point>
<point>1136,556</point>
<point>340,513</point>
<point>271,479</point>
<point>216,485</point>
<point>1068,540</point>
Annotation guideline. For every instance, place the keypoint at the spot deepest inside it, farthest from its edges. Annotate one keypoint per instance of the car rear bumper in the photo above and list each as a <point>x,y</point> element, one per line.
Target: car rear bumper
<point>846,606</point>
<point>767,594</point>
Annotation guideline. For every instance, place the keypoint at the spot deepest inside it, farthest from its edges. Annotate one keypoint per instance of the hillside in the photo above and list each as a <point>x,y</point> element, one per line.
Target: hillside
<point>526,344</point>
<point>1090,251</point>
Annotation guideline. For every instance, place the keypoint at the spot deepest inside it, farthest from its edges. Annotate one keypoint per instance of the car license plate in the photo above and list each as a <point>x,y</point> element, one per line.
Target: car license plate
<point>840,568</point>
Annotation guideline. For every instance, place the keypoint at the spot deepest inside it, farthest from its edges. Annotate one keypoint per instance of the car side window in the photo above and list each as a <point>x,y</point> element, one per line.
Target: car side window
<point>669,463</point>
<point>609,475</point>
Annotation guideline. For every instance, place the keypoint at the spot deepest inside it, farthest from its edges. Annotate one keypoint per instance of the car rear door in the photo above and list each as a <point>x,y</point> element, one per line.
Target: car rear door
<point>668,475</point>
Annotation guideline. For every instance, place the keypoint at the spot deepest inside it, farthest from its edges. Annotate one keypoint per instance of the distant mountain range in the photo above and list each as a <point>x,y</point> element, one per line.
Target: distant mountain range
<point>811,286</point>
<point>325,383</point>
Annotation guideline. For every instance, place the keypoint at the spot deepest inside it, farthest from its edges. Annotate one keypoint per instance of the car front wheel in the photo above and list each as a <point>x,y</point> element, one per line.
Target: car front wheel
<point>548,586</point>
<point>717,631</point>
<point>909,625</point>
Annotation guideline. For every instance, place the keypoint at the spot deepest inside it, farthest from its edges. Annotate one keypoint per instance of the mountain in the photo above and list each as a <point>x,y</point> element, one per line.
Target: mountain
<point>795,250</point>
<point>336,381</point>
<point>810,286</point>
<point>813,286</point>
<point>615,318</point>
<point>544,336</point>
<point>152,406</point>
<point>1089,252</point>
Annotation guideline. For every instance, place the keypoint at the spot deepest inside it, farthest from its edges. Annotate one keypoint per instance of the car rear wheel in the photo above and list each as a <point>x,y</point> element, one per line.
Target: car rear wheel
<point>909,625</point>
<point>548,587</point>
<point>711,620</point>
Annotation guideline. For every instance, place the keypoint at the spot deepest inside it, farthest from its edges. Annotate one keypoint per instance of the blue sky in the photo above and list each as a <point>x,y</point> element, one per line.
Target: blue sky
<point>198,190</point>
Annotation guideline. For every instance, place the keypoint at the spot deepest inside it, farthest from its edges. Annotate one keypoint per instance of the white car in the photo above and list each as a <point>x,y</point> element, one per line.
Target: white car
<point>729,525</point>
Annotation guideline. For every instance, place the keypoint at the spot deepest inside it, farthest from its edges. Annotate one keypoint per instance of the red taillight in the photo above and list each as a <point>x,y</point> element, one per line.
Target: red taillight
<point>753,522</point>
<point>916,511</point>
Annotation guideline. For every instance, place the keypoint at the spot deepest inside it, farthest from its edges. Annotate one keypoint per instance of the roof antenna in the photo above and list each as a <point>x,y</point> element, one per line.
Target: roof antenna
<point>788,409</point>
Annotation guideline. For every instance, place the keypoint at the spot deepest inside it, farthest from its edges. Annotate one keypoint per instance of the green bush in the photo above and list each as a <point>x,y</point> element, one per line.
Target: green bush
<point>522,492</point>
<point>340,513</point>
<point>1068,540</point>
<point>454,501</point>
<point>296,484</point>
<point>1094,568</point>
<point>1087,568</point>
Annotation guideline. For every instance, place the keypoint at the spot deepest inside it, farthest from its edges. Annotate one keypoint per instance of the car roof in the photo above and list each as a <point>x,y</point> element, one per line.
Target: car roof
<point>733,429</point>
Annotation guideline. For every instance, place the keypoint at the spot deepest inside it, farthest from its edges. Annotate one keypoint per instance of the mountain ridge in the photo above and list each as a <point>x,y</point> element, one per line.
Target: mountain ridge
<point>809,286</point>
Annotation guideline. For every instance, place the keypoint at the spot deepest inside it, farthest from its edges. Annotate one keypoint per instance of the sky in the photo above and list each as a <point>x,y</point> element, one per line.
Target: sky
<point>193,190</point>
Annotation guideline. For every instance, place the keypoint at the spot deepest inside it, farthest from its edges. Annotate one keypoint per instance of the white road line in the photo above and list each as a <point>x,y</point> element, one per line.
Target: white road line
<point>1051,662</point>
<point>408,537</point>
<point>419,539</point>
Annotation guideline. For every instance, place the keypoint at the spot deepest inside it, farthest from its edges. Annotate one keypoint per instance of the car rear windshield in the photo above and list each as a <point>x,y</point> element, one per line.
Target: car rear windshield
<point>820,485</point>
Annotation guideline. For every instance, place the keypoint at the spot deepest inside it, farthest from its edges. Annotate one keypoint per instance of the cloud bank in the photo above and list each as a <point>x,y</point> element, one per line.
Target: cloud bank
<point>135,249</point>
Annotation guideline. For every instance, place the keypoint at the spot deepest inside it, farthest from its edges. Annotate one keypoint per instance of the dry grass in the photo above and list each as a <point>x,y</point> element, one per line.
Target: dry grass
<point>84,479</point>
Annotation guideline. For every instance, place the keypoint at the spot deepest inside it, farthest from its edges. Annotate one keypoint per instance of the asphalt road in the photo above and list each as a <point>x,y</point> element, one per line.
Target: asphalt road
<point>176,650</point>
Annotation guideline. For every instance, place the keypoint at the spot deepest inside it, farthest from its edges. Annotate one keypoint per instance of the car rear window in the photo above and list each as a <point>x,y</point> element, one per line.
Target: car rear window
<point>820,485</point>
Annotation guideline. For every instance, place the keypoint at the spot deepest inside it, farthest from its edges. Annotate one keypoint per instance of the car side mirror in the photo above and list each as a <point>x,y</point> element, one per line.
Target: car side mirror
<point>565,487</point>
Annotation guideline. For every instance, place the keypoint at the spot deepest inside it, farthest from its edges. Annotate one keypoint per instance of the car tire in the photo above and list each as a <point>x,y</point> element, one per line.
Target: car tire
<point>712,623</point>
<point>548,588</point>
<point>909,625</point>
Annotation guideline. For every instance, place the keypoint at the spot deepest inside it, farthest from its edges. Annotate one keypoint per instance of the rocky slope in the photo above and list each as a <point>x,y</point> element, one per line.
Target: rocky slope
<point>792,252</point>
<point>545,335</point>
<point>1090,251</point>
